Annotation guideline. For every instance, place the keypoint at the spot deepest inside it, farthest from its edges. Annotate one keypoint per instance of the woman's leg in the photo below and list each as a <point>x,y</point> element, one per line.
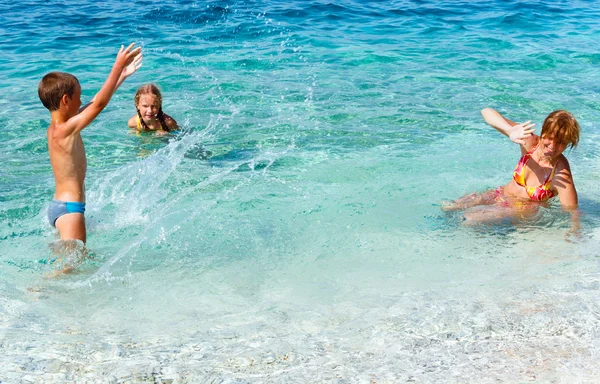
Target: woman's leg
<point>471,200</point>
<point>492,213</point>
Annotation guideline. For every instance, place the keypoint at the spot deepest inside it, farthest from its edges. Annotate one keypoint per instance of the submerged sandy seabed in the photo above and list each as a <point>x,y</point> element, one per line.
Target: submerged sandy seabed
<point>546,332</point>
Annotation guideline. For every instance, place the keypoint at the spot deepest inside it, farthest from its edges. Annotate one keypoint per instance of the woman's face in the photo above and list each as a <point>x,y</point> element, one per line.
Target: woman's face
<point>552,147</point>
<point>148,105</point>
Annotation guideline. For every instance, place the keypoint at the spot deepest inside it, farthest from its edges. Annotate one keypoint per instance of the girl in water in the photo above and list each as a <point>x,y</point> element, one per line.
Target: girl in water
<point>150,116</point>
<point>542,173</point>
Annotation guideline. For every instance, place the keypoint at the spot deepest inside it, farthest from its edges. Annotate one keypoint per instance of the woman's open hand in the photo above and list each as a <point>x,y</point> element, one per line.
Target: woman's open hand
<point>521,131</point>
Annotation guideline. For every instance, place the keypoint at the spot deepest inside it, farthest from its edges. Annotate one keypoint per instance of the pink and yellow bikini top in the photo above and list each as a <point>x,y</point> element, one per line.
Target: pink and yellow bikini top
<point>541,193</point>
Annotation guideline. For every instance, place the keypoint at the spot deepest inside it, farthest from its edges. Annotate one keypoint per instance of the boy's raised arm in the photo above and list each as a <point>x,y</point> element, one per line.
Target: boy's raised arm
<point>131,68</point>
<point>127,62</point>
<point>127,71</point>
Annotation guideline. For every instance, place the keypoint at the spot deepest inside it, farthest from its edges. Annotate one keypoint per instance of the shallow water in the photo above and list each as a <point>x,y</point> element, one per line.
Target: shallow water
<point>292,231</point>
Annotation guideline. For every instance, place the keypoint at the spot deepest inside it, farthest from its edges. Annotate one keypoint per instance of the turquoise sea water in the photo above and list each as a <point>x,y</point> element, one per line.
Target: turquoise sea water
<point>292,231</point>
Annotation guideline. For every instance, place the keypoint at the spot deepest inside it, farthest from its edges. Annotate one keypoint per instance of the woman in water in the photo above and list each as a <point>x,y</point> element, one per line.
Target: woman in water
<point>542,173</point>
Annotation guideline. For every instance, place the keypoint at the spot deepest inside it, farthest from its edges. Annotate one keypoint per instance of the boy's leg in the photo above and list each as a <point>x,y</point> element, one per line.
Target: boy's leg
<point>71,226</point>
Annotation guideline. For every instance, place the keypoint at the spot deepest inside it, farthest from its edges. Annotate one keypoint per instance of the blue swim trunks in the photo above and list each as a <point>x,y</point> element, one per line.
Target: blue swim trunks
<point>58,208</point>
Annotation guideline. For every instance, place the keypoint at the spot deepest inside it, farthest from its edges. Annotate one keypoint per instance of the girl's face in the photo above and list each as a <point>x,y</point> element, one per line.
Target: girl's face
<point>148,105</point>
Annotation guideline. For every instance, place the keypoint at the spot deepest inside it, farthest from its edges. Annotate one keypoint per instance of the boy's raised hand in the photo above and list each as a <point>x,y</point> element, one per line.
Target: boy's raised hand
<point>127,62</point>
<point>132,67</point>
<point>127,55</point>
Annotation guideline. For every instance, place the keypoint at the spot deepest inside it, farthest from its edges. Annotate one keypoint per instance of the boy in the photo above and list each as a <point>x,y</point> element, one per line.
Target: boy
<point>61,94</point>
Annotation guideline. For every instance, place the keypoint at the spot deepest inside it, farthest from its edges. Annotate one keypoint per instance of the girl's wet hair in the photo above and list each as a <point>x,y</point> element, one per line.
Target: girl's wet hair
<point>563,127</point>
<point>151,89</point>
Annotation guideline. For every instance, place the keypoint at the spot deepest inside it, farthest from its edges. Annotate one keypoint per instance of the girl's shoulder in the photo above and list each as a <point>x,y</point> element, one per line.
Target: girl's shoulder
<point>171,123</point>
<point>133,122</point>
